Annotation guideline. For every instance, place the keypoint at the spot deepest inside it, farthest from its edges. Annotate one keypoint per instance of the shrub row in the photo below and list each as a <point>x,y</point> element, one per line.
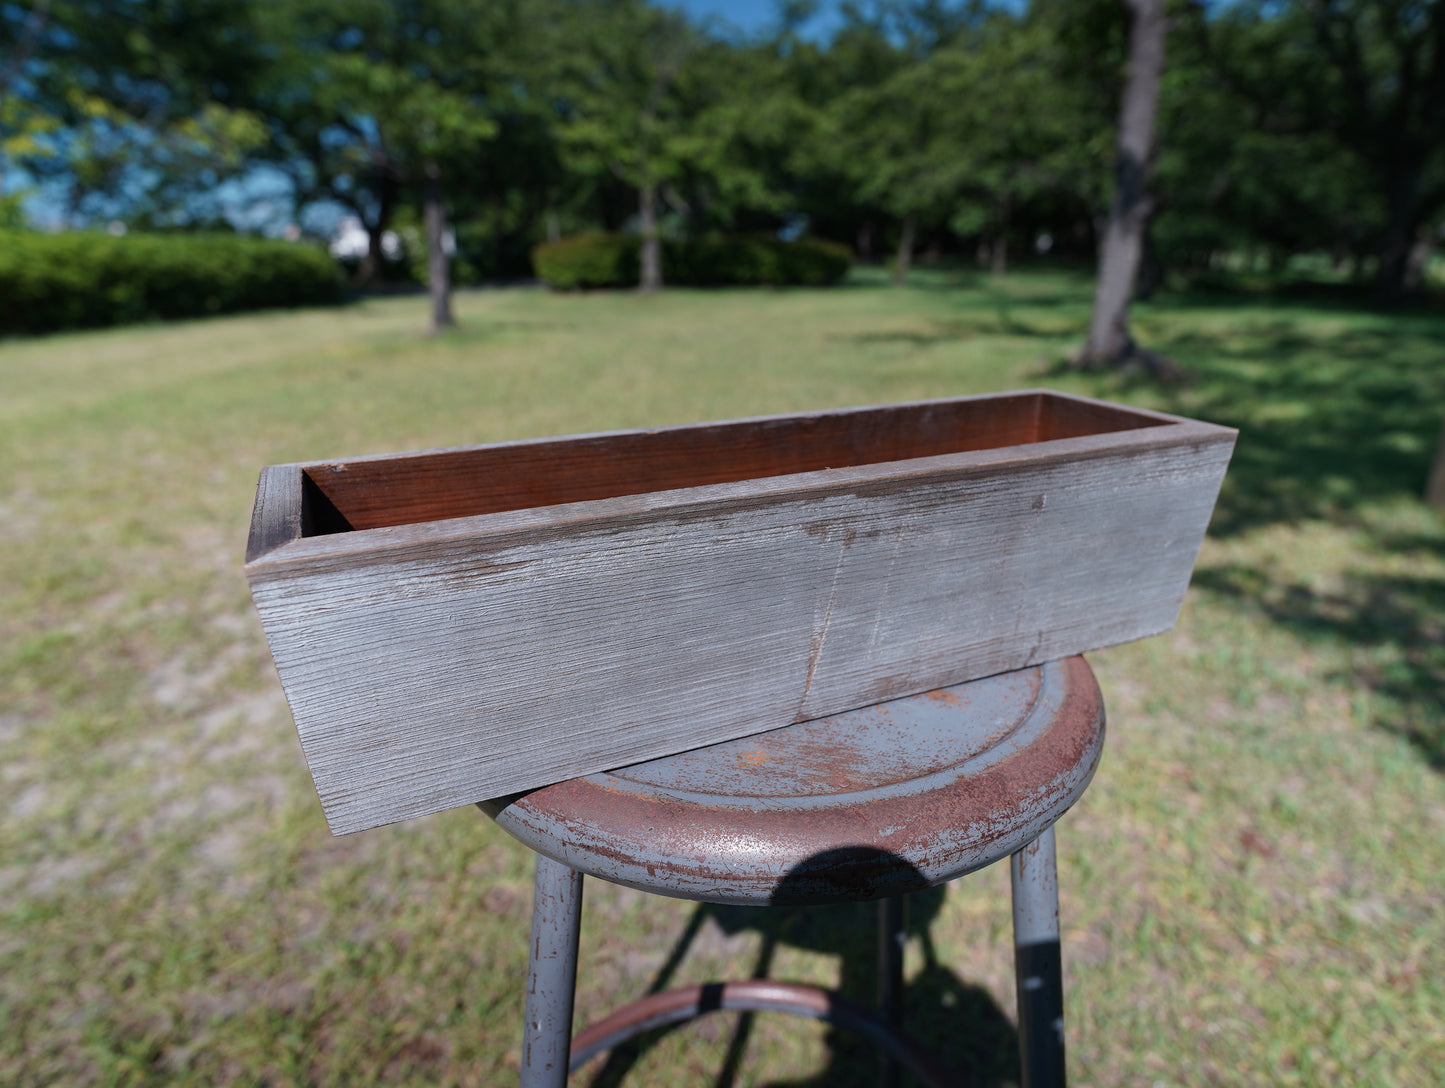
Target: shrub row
<point>85,279</point>
<point>613,260</point>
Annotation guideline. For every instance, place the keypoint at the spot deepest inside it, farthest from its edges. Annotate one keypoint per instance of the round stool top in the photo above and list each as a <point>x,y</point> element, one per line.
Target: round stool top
<point>859,805</point>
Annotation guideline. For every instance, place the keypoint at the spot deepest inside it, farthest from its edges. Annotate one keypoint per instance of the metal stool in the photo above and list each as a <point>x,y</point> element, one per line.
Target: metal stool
<point>870,804</point>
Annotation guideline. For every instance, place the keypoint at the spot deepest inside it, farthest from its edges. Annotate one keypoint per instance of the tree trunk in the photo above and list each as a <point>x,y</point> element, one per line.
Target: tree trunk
<point>368,272</point>
<point>438,264</point>
<point>1435,487</point>
<point>905,251</point>
<point>499,236</point>
<point>1119,251</point>
<point>865,240</point>
<point>998,250</point>
<point>1419,260</point>
<point>1403,192</point>
<point>998,255</point>
<point>373,265</point>
<point>651,277</point>
<point>554,225</point>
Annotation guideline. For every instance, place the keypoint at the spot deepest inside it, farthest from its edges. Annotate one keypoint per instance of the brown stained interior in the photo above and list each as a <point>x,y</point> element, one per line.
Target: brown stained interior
<point>414,488</point>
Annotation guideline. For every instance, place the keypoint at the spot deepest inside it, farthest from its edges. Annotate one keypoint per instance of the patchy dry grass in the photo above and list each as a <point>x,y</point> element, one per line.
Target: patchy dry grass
<point>1252,887</point>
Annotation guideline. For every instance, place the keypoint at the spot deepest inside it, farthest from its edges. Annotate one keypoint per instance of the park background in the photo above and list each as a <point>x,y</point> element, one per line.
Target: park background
<point>1252,888</point>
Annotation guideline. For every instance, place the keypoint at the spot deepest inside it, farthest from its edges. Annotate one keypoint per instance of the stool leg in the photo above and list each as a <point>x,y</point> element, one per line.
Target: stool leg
<point>892,936</point>
<point>1039,977</point>
<point>552,976</point>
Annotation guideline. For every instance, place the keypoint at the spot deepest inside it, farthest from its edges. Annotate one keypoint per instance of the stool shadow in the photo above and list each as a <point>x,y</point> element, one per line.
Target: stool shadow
<point>823,905</point>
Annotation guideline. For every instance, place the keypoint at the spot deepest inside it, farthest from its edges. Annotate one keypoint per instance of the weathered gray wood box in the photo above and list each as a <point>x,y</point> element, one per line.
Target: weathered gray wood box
<point>460,624</point>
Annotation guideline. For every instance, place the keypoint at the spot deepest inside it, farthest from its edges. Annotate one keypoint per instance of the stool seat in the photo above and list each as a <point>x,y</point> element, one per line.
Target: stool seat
<point>861,805</point>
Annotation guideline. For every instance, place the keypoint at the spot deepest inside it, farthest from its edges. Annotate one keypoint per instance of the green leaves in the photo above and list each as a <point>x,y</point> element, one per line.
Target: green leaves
<point>1284,127</point>
<point>612,260</point>
<point>980,123</point>
<point>628,93</point>
<point>81,279</point>
<point>419,118</point>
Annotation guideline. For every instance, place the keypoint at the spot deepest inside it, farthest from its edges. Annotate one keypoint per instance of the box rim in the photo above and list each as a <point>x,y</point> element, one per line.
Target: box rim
<point>505,528</point>
<point>1149,413</point>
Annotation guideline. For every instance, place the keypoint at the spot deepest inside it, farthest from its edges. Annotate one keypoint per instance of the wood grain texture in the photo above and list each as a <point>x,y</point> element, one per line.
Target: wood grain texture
<point>413,488</point>
<point>434,664</point>
<point>276,517</point>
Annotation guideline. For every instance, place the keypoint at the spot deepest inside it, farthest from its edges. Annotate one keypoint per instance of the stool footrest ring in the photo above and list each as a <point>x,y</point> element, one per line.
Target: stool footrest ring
<point>756,995</point>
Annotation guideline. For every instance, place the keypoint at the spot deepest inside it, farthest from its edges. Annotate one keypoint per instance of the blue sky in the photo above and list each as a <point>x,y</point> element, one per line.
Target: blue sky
<point>750,16</point>
<point>753,15</point>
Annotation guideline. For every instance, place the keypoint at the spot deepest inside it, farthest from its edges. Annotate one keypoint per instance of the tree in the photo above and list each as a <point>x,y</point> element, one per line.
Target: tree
<point>1038,162</point>
<point>1368,77</point>
<point>358,101</point>
<point>1120,249</point>
<point>829,174</point>
<point>628,98</point>
<point>319,133</point>
<point>746,121</point>
<point>423,125</point>
<point>398,93</point>
<point>1435,486</point>
<point>884,130</point>
<point>1388,64</point>
<point>1236,174</point>
<point>20,121</point>
<point>889,138</point>
<point>144,104</point>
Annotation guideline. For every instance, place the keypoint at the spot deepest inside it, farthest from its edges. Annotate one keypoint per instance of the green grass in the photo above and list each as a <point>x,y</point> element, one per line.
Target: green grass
<point>1252,887</point>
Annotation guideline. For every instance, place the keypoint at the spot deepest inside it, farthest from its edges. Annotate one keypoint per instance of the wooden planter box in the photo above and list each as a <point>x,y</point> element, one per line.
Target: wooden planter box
<point>461,624</point>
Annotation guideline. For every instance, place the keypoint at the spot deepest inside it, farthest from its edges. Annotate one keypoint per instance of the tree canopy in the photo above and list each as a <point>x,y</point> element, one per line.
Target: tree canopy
<point>973,128</point>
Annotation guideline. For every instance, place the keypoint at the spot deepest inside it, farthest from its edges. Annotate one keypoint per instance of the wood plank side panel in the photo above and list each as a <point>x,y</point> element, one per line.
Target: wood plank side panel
<point>276,518</point>
<point>460,670</point>
<point>1069,417</point>
<point>1043,564</point>
<point>427,487</point>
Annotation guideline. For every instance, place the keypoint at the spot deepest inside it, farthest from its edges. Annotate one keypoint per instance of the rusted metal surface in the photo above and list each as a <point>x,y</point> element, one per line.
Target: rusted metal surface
<point>861,805</point>
<point>757,995</point>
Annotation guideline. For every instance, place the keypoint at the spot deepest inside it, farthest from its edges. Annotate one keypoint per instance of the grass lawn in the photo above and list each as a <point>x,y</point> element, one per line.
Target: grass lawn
<point>1253,888</point>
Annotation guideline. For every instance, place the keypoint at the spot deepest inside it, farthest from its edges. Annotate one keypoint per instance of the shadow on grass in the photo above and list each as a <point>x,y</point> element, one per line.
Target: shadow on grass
<point>1327,424</point>
<point>1275,293</point>
<point>959,1023</point>
<point>1332,423</point>
<point>989,313</point>
<point>953,332</point>
<point>1395,627</point>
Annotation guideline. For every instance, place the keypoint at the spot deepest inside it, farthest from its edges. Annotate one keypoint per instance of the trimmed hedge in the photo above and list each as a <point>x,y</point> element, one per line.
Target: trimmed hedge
<point>86,279</point>
<point>588,260</point>
<point>612,260</point>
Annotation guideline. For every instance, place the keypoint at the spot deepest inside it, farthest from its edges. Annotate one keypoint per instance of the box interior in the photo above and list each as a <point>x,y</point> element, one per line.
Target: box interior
<point>413,488</point>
